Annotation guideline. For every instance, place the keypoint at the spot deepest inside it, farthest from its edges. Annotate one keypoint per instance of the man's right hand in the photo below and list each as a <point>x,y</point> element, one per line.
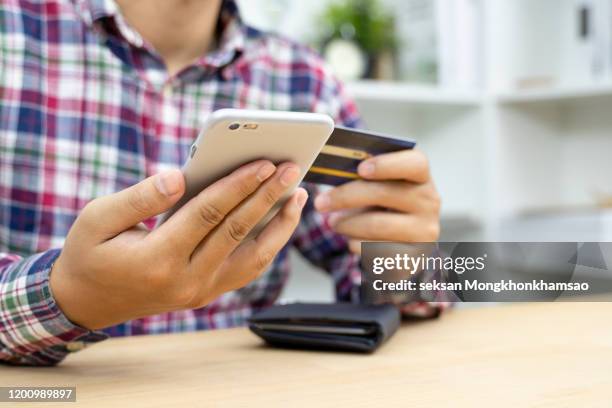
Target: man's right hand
<point>112,269</point>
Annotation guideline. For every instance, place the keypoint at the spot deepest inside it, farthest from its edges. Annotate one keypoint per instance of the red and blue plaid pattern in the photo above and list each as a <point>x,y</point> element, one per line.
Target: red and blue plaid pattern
<point>86,109</point>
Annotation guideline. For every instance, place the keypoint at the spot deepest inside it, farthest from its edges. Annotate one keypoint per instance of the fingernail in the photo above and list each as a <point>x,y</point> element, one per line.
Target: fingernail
<point>289,176</point>
<point>301,199</point>
<point>265,171</point>
<point>323,202</point>
<point>366,169</point>
<point>166,183</point>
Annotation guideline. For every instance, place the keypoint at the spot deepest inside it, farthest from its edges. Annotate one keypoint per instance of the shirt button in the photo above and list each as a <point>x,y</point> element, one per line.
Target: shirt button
<point>75,346</point>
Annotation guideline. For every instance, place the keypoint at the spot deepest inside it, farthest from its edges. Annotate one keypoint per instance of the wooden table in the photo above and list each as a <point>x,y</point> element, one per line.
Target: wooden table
<point>540,355</point>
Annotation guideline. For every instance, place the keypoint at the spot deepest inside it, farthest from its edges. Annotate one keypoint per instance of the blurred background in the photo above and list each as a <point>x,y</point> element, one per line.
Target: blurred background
<point>511,100</point>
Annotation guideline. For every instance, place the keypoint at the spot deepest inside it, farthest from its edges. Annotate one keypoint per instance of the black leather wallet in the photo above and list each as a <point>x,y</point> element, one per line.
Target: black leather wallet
<point>337,326</point>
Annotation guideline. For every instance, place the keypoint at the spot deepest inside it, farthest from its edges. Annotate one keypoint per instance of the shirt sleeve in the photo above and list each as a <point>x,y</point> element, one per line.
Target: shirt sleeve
<point>317,241</point>
<point>33,330</point>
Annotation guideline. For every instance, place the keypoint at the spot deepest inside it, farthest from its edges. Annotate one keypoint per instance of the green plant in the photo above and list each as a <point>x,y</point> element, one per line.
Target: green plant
<point>366,22</point>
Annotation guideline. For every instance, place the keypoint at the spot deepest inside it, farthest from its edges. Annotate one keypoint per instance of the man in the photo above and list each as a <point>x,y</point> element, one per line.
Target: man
<point>97,96</point>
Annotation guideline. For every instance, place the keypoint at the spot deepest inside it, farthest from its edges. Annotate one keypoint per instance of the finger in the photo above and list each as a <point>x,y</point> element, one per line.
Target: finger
<point>388,226</point>
<point>252,258</point>
<point>189,225</point>
<point>333,217</point>
<point>110,215</point>
<point>396,195</point>
<point>355,246</point>
<point>237,225</point>
<point>409,165</point>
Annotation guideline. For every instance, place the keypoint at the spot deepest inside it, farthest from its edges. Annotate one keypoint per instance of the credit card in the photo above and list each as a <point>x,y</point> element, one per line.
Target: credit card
<point>338,160</point>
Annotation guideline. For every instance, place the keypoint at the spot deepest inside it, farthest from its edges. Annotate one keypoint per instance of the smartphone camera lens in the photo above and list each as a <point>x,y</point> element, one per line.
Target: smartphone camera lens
<point>234,126</point>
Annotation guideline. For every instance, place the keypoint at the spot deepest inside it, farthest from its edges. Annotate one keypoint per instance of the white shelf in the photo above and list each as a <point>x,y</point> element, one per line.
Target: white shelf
<point>388,91</point>
<point>398,92</point>
<point>562,94</point>
<point>573,226</point>
<point>464,217</point>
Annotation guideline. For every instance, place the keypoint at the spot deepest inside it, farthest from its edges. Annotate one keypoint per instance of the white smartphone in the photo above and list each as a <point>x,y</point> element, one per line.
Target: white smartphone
<point>231,138</point>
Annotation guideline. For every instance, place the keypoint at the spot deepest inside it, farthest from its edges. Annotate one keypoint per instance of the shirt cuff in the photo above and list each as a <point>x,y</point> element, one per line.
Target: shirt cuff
<point>33,329</point>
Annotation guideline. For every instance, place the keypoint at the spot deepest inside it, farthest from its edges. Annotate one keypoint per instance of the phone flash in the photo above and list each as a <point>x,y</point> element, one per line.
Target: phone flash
<point>250,126</point>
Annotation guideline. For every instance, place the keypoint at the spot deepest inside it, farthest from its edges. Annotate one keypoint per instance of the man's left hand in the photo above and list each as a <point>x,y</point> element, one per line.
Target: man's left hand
<point>395,200</point>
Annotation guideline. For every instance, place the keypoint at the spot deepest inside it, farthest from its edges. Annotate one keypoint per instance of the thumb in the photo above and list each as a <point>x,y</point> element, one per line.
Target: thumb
<point>115,213</point>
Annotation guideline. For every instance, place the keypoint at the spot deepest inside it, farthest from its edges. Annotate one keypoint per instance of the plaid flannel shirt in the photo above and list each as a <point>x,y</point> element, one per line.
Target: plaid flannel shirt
<point>86,109</point>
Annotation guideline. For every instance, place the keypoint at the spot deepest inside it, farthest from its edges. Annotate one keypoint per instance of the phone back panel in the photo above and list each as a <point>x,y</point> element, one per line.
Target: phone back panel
<point>232,137</point>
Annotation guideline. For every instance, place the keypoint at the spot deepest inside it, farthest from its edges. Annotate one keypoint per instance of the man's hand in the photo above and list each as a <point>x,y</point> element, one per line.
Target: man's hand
<point>113,269</point>
<point>395,201</point>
